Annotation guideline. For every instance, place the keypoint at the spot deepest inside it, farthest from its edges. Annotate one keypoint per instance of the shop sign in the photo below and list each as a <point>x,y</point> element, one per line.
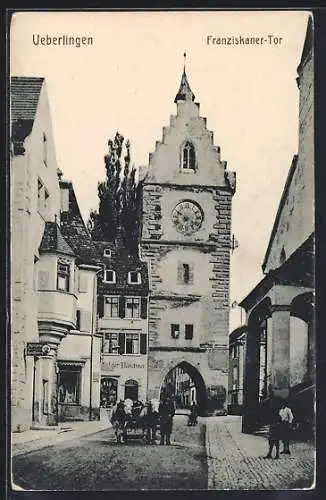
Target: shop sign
<point>37,349</point>
<point>122,365</point>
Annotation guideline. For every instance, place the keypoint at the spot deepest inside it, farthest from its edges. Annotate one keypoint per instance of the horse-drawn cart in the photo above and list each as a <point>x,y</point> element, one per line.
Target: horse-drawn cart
<point>141,423</point>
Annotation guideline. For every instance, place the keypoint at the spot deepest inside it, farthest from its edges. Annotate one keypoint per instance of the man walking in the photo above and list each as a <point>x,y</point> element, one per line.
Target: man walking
<point>286,416</point>
<point>166,412</point>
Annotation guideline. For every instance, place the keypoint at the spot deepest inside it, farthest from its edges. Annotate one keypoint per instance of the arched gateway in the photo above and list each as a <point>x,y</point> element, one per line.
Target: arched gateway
<point>186,226</point>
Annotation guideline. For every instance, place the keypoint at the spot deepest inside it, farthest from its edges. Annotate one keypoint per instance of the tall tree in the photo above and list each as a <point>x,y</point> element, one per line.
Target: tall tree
<point>119,198</point>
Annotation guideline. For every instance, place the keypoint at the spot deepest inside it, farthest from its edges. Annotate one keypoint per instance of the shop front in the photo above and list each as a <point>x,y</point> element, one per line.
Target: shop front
<point>123,377</point>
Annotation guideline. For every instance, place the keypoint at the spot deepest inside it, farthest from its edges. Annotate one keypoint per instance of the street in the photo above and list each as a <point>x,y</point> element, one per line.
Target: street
<point>96,462</point>
<point>215,455</point>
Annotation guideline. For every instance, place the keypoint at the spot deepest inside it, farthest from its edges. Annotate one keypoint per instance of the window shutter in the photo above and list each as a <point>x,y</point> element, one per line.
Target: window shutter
<point>43,280</point>
<point>121,306</point>
<point>143,343</point>
<point>180,272</point>
<point>85,321</point>
<point>78,319</point>
<point>82,283</point>
<point>191,273</point>
<point>143,308</point>
<point>121,343</point>
<point>100,306</point>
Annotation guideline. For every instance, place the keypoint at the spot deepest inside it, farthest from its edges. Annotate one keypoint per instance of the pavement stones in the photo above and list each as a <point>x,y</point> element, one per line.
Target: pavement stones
<point>235,460</point>
<point>33,440</point>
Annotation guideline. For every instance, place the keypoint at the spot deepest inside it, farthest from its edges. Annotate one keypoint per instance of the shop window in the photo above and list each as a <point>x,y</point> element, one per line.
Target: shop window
<point>63,277</point>
<point>109,392</point>
<point>175,331</point>
<point>110,343</point>
<point>109,276</point>
<point>134,278</point>
<point>189,332</point>
<point>69,385</point>
<point>132,307</point>
<point>188,156</point>
<point>132,343</point>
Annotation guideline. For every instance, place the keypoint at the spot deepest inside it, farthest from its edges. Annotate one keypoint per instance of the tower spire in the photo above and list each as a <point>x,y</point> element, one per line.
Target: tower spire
<point>184,93</point>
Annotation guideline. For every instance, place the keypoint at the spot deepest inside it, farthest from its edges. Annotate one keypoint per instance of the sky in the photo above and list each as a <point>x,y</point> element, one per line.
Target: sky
<point>127,80</point>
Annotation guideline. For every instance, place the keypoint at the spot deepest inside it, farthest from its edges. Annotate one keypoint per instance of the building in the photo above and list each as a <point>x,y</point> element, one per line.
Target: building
<point>280,356</point>
<point>122,324</point>
<point>46,266</point>
<point>237,356</point>
<point>186,224</point>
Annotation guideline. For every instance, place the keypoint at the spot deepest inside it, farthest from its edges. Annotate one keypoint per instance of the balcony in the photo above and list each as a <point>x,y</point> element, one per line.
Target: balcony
<point>56,306</point>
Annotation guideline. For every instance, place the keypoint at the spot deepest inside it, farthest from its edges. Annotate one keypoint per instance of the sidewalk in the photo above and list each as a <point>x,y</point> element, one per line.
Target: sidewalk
<point>32,440</point>
<point>235,460</point>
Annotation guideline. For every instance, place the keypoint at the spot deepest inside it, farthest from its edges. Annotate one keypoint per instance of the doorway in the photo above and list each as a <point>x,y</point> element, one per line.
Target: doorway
<point>131,390</point>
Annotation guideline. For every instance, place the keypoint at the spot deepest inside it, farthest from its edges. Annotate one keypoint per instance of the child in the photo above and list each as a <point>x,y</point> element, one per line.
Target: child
<point>274,436</point>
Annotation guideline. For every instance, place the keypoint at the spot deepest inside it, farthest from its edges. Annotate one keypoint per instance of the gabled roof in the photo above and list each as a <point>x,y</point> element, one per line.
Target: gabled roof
<point>75,232</point>
<point>53,241</point>
<point>25,92</point>
<point>280,209</point>
<point>308,44</point>
<point>184,93</point>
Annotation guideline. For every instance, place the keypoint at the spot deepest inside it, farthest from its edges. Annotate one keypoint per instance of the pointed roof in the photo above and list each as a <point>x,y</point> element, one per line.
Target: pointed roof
<point>53,241</point>
<point>25,92</point>
<point>184,93</point>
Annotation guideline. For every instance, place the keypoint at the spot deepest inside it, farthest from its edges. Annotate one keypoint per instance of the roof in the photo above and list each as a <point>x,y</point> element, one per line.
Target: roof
<point>297,270</point>
<point>25,92</point>
<point>184,93</point>
<point>308,44</point>
<point>75,232</point>
<point>280,209</point>
<point>53,241</point>
<point>122,263</point>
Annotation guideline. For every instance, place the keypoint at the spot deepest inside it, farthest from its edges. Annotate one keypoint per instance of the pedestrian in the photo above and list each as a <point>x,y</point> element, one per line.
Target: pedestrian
<point>166,413</point>
<point>193,414</point>
<point>286,416</point>
<point>274,436</point>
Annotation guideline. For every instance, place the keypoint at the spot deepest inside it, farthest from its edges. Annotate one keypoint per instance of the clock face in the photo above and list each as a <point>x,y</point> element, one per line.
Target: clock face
<point>187,217</point>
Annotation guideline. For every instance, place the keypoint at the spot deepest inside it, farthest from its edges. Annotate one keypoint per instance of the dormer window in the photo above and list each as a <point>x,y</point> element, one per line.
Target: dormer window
<point>109,276</point>
<point>188,156</point>
<point>107,252</point>
<point>134,278</point>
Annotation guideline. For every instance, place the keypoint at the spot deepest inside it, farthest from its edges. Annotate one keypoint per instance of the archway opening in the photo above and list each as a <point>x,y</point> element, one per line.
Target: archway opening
<point>185,385</point>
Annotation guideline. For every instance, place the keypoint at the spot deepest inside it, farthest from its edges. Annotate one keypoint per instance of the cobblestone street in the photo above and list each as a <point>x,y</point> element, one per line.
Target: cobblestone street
<point>235,460</point>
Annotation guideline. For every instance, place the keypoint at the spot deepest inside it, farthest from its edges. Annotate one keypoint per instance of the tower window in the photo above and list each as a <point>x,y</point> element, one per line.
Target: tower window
<point>189,332</point>
<point>107,252</point>
<point>63,277</point>
<point>185,273</point>
<point>188,156</point>
<point>175,331</point>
